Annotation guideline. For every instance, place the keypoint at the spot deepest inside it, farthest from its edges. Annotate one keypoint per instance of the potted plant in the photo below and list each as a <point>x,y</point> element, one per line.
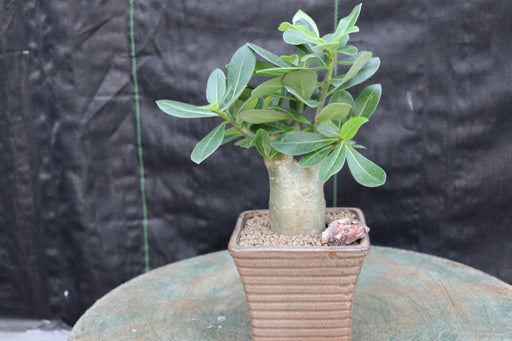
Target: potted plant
<point>302,120</point>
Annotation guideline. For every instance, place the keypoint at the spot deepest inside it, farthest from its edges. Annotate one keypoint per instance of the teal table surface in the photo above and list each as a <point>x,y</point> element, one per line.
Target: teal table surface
<point>401,295</point>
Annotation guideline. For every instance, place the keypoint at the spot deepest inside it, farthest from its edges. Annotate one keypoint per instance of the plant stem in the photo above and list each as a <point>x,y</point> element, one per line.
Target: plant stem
<point>244,131</point>
<point>296,198</point>
<point>325,86</point>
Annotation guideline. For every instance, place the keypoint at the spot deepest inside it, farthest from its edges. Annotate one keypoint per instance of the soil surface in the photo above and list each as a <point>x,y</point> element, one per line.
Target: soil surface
<point>257,232</point>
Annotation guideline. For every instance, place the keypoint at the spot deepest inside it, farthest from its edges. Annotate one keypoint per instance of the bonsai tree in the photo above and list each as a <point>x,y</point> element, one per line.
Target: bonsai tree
<point>301,118</point>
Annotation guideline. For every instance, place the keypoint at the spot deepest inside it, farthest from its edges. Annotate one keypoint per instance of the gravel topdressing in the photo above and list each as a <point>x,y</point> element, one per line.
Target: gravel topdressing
<point>257,232</point>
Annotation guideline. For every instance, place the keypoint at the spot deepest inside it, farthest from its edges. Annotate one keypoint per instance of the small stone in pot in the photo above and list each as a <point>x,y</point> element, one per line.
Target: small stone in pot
<point>344,231</point>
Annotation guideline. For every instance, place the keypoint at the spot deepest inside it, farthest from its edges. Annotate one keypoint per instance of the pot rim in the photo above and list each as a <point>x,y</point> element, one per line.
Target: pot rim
<point>233,246</point>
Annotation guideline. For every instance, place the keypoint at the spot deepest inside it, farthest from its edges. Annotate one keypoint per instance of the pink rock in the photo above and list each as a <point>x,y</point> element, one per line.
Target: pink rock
<point>344,231</point>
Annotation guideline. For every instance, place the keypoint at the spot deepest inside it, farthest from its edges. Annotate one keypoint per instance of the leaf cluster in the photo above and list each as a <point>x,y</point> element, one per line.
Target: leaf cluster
<point>292,111</point>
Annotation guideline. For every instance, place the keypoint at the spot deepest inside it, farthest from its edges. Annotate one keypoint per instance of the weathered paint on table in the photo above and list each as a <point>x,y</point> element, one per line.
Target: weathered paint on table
<point>401,295</point>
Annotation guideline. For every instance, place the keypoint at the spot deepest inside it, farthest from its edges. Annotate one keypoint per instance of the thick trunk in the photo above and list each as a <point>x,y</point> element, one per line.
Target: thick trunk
<point>297,203</point>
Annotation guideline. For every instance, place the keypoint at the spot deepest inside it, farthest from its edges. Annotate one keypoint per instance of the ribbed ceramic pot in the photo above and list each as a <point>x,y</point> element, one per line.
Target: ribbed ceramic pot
<point>299,293</point>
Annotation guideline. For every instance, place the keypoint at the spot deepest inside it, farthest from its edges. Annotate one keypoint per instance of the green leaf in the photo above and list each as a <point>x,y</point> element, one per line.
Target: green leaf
<point>302,29</point>
<point>261,65</point>
<point>247,142</point>
<point>241,68</point>
<point>298,38</point>
<point>308,101</point>
<point>328,38</point>
<point>263,143</point>
<point>345,24</point>
<point>301,16</point>
<point>313,56</point>
<point>303,81</point>
<point>366,72</point>
<point>208,144</point>
<point>285,26</point>
<point>333,163</point>
<point>328,129</point>
<point>275,154</point>
<point>293,59</point>
<point>356,67</point>
<point>352,29</point>
<point>349,50</point>
<point>263,115</point>
<point>298,116</point>
<point>350,60</point>
<point>269,87</point>
<point>273,127</point>
<point>216,86</point>
<point>326,46</point>
<point>300,142</point>
<point>183,110</point>
<point>331,44</point>
<point>333,111</point>
<point>279,71</point>
<point>308,55</point>
<point>363,170</point>
<point>367,101</point>
<point>342,96</point>
<point>269,56</point>
<point>211,107</point>
<point>250,103</point>
<point>246,93</point>
<point>314,158</point>
<point>343,41</point>
<point>230,135</point>
<point>267,102</point>
<point>350,128</point>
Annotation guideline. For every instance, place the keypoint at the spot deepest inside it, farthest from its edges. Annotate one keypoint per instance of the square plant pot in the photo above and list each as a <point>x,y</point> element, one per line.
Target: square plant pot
<point>299,293</point>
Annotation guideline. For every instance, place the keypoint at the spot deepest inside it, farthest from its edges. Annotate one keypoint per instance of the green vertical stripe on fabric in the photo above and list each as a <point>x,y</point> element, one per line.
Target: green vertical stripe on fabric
<point>139,140</point>
<point>335,178</point>
<point>336,9</point>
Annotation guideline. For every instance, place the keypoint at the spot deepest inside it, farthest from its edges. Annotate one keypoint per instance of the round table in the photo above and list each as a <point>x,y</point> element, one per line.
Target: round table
<point>401,295</point>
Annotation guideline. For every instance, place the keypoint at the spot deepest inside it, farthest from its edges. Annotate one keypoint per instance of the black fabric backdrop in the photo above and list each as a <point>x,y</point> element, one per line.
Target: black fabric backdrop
<point>70,203</point>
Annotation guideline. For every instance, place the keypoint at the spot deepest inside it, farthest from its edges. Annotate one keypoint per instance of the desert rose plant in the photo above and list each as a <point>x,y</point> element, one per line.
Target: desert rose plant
<point>301,118</point>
